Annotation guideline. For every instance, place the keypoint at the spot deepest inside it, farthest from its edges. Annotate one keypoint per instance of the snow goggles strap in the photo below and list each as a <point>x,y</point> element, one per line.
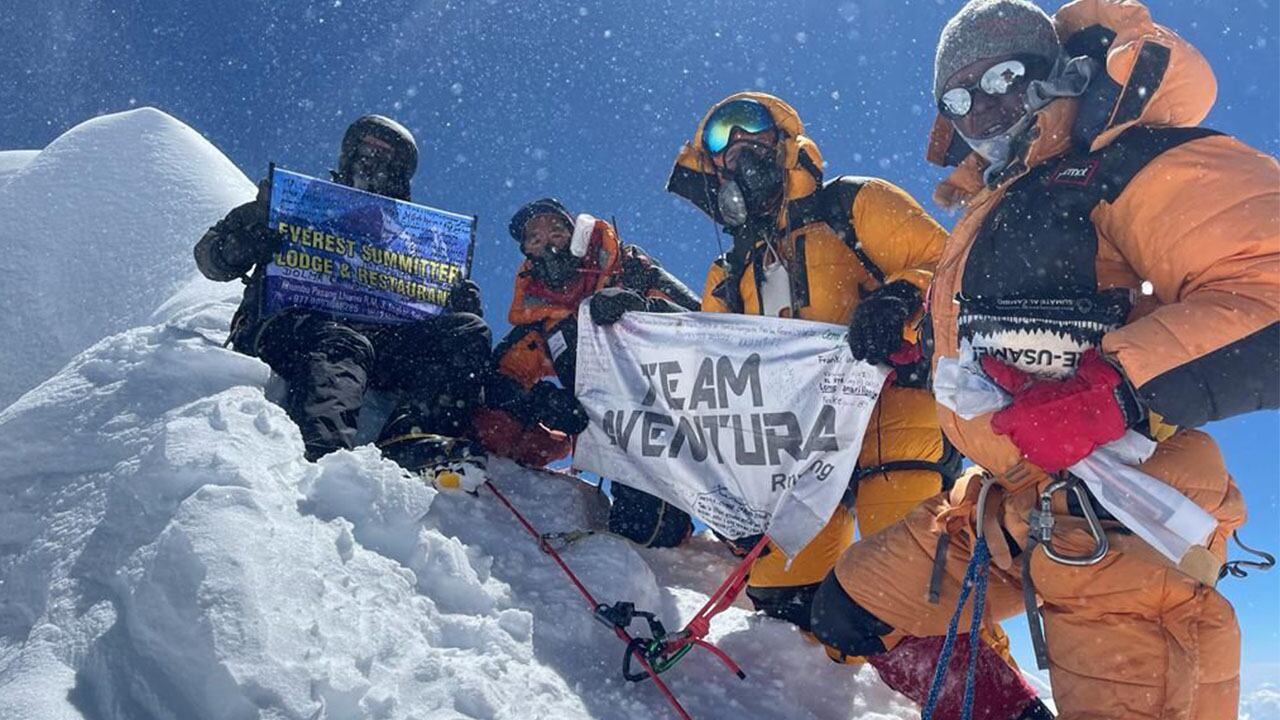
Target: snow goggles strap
<point>998,79</point>
<point>749,116</point>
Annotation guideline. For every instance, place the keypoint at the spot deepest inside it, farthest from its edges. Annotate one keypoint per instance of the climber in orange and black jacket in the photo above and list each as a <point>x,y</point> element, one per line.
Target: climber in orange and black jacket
<point>531,420</point>
<point>1116,268</point>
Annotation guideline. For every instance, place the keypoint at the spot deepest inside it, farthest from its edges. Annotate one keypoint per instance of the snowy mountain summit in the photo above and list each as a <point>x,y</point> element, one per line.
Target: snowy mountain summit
<point>97,232</point>
<point>166,551</point>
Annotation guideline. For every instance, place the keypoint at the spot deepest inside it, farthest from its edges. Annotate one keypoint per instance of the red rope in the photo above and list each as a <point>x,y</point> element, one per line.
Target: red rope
<point>621,633</point>
<point>734,667</point>
<point>698,626</point>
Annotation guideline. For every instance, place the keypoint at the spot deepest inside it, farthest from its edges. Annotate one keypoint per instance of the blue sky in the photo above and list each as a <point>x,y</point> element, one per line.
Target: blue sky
<point>587,101</point>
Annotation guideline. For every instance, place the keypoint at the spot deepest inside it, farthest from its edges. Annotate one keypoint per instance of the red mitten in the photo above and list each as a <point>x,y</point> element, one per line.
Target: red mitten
<point>906,354</point>
<point>1057,423</point>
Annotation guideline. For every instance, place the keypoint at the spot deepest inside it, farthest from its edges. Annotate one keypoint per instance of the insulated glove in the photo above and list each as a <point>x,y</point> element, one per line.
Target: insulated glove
<point>875,332</point>
<point>743,546</point>
<point>1057,423</point>
<point>252,242</point>
<point>465,297</point>
<point>557,408</point>
<point>609,305</point>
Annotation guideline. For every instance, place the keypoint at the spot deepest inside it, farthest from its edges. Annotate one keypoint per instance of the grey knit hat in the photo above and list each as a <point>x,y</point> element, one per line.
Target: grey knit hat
<point>989,29</point>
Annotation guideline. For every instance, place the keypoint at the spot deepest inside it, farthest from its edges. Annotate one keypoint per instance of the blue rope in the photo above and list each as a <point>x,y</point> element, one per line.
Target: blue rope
<point>975,580</point>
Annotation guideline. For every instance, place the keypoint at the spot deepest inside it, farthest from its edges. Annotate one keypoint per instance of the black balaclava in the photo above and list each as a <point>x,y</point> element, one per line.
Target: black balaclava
<point>753,190</point>
<point>748,204</point>
<point>378,155</point>
<point>556,267</point>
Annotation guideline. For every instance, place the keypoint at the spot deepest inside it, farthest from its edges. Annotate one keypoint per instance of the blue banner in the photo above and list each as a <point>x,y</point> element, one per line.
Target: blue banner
<point>362,256</point>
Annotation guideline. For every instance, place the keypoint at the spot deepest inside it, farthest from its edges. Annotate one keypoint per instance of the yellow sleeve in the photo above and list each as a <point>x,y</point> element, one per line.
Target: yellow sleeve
<point>899,237</point>
<point>896,233</point>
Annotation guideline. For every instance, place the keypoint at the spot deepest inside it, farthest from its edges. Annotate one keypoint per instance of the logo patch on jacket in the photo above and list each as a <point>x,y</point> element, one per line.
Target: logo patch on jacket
<point>1075,172</point>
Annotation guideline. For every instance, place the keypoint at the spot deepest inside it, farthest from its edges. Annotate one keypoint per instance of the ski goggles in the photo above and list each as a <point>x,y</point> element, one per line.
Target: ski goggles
<point>748,116</point>
<point>998,79</point>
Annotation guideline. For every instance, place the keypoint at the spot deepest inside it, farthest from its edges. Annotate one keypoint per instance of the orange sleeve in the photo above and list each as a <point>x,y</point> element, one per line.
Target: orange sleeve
<point>1201,224</point>
<point>523,356</point>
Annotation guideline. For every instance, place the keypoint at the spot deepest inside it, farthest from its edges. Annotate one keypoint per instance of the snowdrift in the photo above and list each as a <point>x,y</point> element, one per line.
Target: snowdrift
<point>11,161</point>
<point>97,231</point>
<point>166,552</point>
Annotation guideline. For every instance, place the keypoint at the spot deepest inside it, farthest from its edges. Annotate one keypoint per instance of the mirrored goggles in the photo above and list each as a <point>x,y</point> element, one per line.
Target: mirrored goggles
<point>998,79</point>
<point>747,115</point>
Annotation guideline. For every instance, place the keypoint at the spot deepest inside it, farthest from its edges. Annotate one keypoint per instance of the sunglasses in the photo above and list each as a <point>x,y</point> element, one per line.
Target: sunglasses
<point>999,79</point>
<point>748,116</point>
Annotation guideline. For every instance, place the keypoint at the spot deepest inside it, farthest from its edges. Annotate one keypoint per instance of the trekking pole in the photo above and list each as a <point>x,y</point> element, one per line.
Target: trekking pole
<point>632,647</point>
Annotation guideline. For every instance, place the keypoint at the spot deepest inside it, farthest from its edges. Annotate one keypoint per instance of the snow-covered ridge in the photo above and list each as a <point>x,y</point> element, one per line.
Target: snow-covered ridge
<point>11,161</point>
<point>97,232</point>
<point>166,552</point>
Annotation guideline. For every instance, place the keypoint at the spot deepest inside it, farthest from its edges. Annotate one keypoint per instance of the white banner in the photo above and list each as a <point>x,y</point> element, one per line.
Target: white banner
<point>751,424</point>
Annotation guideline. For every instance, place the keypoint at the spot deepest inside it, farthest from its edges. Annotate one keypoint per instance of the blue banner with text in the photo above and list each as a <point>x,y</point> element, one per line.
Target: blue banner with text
<point>361,256</point>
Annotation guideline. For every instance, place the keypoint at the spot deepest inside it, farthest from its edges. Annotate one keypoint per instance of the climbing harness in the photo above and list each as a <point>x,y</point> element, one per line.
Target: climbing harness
<point>660,651</point>
<point>975,583</point>
<point>1042,522</point>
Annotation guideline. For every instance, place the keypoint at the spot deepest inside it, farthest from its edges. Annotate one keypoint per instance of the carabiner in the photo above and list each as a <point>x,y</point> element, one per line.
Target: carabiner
<point>1042,524</point>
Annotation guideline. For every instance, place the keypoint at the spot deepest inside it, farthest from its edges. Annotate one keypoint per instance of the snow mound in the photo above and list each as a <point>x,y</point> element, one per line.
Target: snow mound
<point>98,229</point>
<point>167,553</point>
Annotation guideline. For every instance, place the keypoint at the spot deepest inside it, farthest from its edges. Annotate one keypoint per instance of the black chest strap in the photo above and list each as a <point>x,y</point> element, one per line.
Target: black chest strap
<point>1121,161</point>
<point>832,204</point>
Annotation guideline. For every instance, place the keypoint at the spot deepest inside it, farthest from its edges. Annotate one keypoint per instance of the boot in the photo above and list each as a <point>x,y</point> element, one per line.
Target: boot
<point>444,462</point>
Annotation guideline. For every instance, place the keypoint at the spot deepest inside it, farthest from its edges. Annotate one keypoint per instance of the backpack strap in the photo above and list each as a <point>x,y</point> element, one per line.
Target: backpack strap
<point>833,205</point>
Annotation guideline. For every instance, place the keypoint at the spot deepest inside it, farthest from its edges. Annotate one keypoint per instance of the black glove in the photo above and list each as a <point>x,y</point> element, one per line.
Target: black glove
<point>875,332</point>
<point>743,546</point>
<point>246,239</point>
<point>465,297</point>
<point>609,305</point>
<point>557,408</point>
